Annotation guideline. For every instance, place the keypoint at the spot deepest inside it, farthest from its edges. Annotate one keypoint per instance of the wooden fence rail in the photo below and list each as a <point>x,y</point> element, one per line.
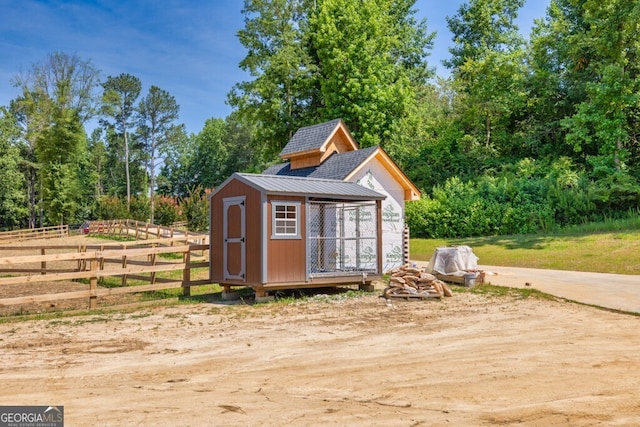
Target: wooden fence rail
<point>144,230</point>
<point>34,233</point>
<point>128,260</point>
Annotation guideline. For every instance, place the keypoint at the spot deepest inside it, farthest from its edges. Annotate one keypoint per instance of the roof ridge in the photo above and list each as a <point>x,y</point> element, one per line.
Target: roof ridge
<point>310,178</point>
<point>310,137</point>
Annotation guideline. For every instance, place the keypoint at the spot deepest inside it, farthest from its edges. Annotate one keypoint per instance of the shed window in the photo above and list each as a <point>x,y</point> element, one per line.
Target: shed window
<point>286,220</point>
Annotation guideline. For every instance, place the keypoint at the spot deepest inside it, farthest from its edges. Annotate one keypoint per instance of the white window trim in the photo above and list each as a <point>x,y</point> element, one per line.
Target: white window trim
<point>274,234</point>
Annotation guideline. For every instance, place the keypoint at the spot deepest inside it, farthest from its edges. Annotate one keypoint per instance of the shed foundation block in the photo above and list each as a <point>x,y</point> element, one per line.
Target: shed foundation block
<point>230,296</point>
<point>367,287</point>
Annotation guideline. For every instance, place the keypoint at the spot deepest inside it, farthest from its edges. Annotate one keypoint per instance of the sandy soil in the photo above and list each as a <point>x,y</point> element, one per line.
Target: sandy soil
<point>468,360</point>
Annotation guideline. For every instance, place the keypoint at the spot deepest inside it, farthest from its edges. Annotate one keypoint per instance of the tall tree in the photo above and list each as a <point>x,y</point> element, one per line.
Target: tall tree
<point>176,173</point>
<point>487,65</point>
<point>61,149</point>
<point>67,80</point>
<point>31,111</point>
<point>605,118</point>
<point>371,57</point>
<point>98,159</point>
<point>118,104</point>
<point>206,159</point>
<point>157,112</point>
<point>316,60</point>
<point>283,72</point>
<point>585,81</point>
<point>12,196</point>
<point>62,85</point>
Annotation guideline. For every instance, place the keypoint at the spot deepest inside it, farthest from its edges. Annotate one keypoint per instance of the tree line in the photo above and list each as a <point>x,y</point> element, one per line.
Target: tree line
<point>524,134</point>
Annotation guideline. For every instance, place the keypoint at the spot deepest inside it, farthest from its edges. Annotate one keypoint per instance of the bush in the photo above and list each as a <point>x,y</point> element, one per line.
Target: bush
<point>196,209</point>
<point>521,199</point>
<point>111,207</point>
<point>140,208</point>
<point>167,210</point>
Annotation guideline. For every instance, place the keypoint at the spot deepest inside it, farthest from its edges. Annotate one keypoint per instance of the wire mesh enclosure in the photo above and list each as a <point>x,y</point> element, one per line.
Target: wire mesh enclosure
<point>342,238</point>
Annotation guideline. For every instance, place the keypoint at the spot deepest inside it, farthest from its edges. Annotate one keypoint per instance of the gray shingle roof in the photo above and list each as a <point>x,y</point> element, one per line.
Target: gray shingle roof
<point>337,166</point>
<point>311,187</point>
<point>310,137</point>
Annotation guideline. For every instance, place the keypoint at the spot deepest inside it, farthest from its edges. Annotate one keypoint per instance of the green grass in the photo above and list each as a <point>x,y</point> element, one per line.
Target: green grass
<point>113,237</point>
<point>504,291</point>
<point>579,248</point>
<point>291,296</point>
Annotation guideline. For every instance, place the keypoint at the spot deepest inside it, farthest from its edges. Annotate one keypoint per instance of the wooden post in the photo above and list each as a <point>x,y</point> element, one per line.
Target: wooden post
<point>124,265</point>
<point>186,273</point>
<point>43,264</point>
<point>153,263</point>
<point>93,284</point>
<point>102,258</point>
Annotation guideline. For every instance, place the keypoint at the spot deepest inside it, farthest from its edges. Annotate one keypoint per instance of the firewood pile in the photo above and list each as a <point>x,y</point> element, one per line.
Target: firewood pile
<point>414,282</point>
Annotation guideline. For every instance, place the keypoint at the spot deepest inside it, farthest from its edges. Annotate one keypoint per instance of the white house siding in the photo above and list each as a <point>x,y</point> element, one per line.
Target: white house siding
<point>376,177</point>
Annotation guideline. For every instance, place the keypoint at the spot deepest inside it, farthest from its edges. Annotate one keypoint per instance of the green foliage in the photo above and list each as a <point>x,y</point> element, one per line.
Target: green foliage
<point>488,69</point>
<point>140,208</point>
<point>196,209</point>
<point>523,198</point>
<point>118,108</point>
<point>616,193</point>
<point>206,159</point>
<point>60,148</point>
<point>156,113</point>
<point>168,210</point>
<point>282,69</point>
<point>460,209</point>
<point>317,60</point>
<point>358,47</point>
<point>111,207</point>
<point>568,99</point>
<point>56,99</point>
<point>13,209</point>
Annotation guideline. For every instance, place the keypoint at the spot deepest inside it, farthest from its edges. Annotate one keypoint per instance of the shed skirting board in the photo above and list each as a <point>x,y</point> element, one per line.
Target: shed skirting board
<point>318,282</point>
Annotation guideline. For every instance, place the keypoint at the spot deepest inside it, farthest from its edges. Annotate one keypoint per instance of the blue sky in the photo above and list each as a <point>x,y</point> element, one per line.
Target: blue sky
<point>188,48</point>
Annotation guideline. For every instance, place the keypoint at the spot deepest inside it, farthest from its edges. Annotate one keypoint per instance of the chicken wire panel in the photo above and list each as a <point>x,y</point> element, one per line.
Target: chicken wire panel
<point>342,238</point>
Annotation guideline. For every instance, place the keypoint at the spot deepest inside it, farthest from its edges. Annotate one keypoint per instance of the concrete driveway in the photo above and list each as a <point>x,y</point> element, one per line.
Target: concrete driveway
<point>616,291</point>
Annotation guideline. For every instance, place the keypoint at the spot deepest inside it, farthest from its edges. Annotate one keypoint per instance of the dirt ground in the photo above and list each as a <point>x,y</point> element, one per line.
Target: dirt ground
<point>471,360</point>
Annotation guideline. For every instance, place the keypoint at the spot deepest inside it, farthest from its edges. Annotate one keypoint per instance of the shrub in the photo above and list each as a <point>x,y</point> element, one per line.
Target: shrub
<point>167,210</point>
<point>140,208</point>
<point>196,209</point>
<point>111,207</point>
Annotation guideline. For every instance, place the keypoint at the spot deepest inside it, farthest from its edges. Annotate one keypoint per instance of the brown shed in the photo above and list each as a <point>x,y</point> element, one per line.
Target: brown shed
<point>282,232</point>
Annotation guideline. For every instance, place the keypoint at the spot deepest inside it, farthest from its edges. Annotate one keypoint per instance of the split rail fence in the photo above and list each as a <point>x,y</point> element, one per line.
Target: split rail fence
<point>144,230</point>
<point>34,233</point>
<point>140,260</point>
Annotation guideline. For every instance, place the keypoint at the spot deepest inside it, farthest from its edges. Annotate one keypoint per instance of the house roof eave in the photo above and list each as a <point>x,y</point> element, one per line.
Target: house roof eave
<point>411,192</point>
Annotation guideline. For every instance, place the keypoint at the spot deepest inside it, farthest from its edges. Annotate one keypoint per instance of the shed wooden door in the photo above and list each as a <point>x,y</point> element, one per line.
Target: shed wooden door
<point>234,228</point>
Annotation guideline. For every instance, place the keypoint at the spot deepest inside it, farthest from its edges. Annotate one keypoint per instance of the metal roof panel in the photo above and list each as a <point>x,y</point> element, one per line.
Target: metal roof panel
<point>311,187</point>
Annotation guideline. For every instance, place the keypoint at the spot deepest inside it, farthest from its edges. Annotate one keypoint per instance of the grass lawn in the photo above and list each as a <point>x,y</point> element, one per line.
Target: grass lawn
<point>602,252</point>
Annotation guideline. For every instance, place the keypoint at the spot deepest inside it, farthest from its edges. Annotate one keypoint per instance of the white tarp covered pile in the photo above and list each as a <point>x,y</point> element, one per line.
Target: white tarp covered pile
<point>453,261</point>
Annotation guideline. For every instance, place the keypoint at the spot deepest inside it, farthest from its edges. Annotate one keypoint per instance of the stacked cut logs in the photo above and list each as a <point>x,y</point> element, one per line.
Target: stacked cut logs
<point>414,282</point>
